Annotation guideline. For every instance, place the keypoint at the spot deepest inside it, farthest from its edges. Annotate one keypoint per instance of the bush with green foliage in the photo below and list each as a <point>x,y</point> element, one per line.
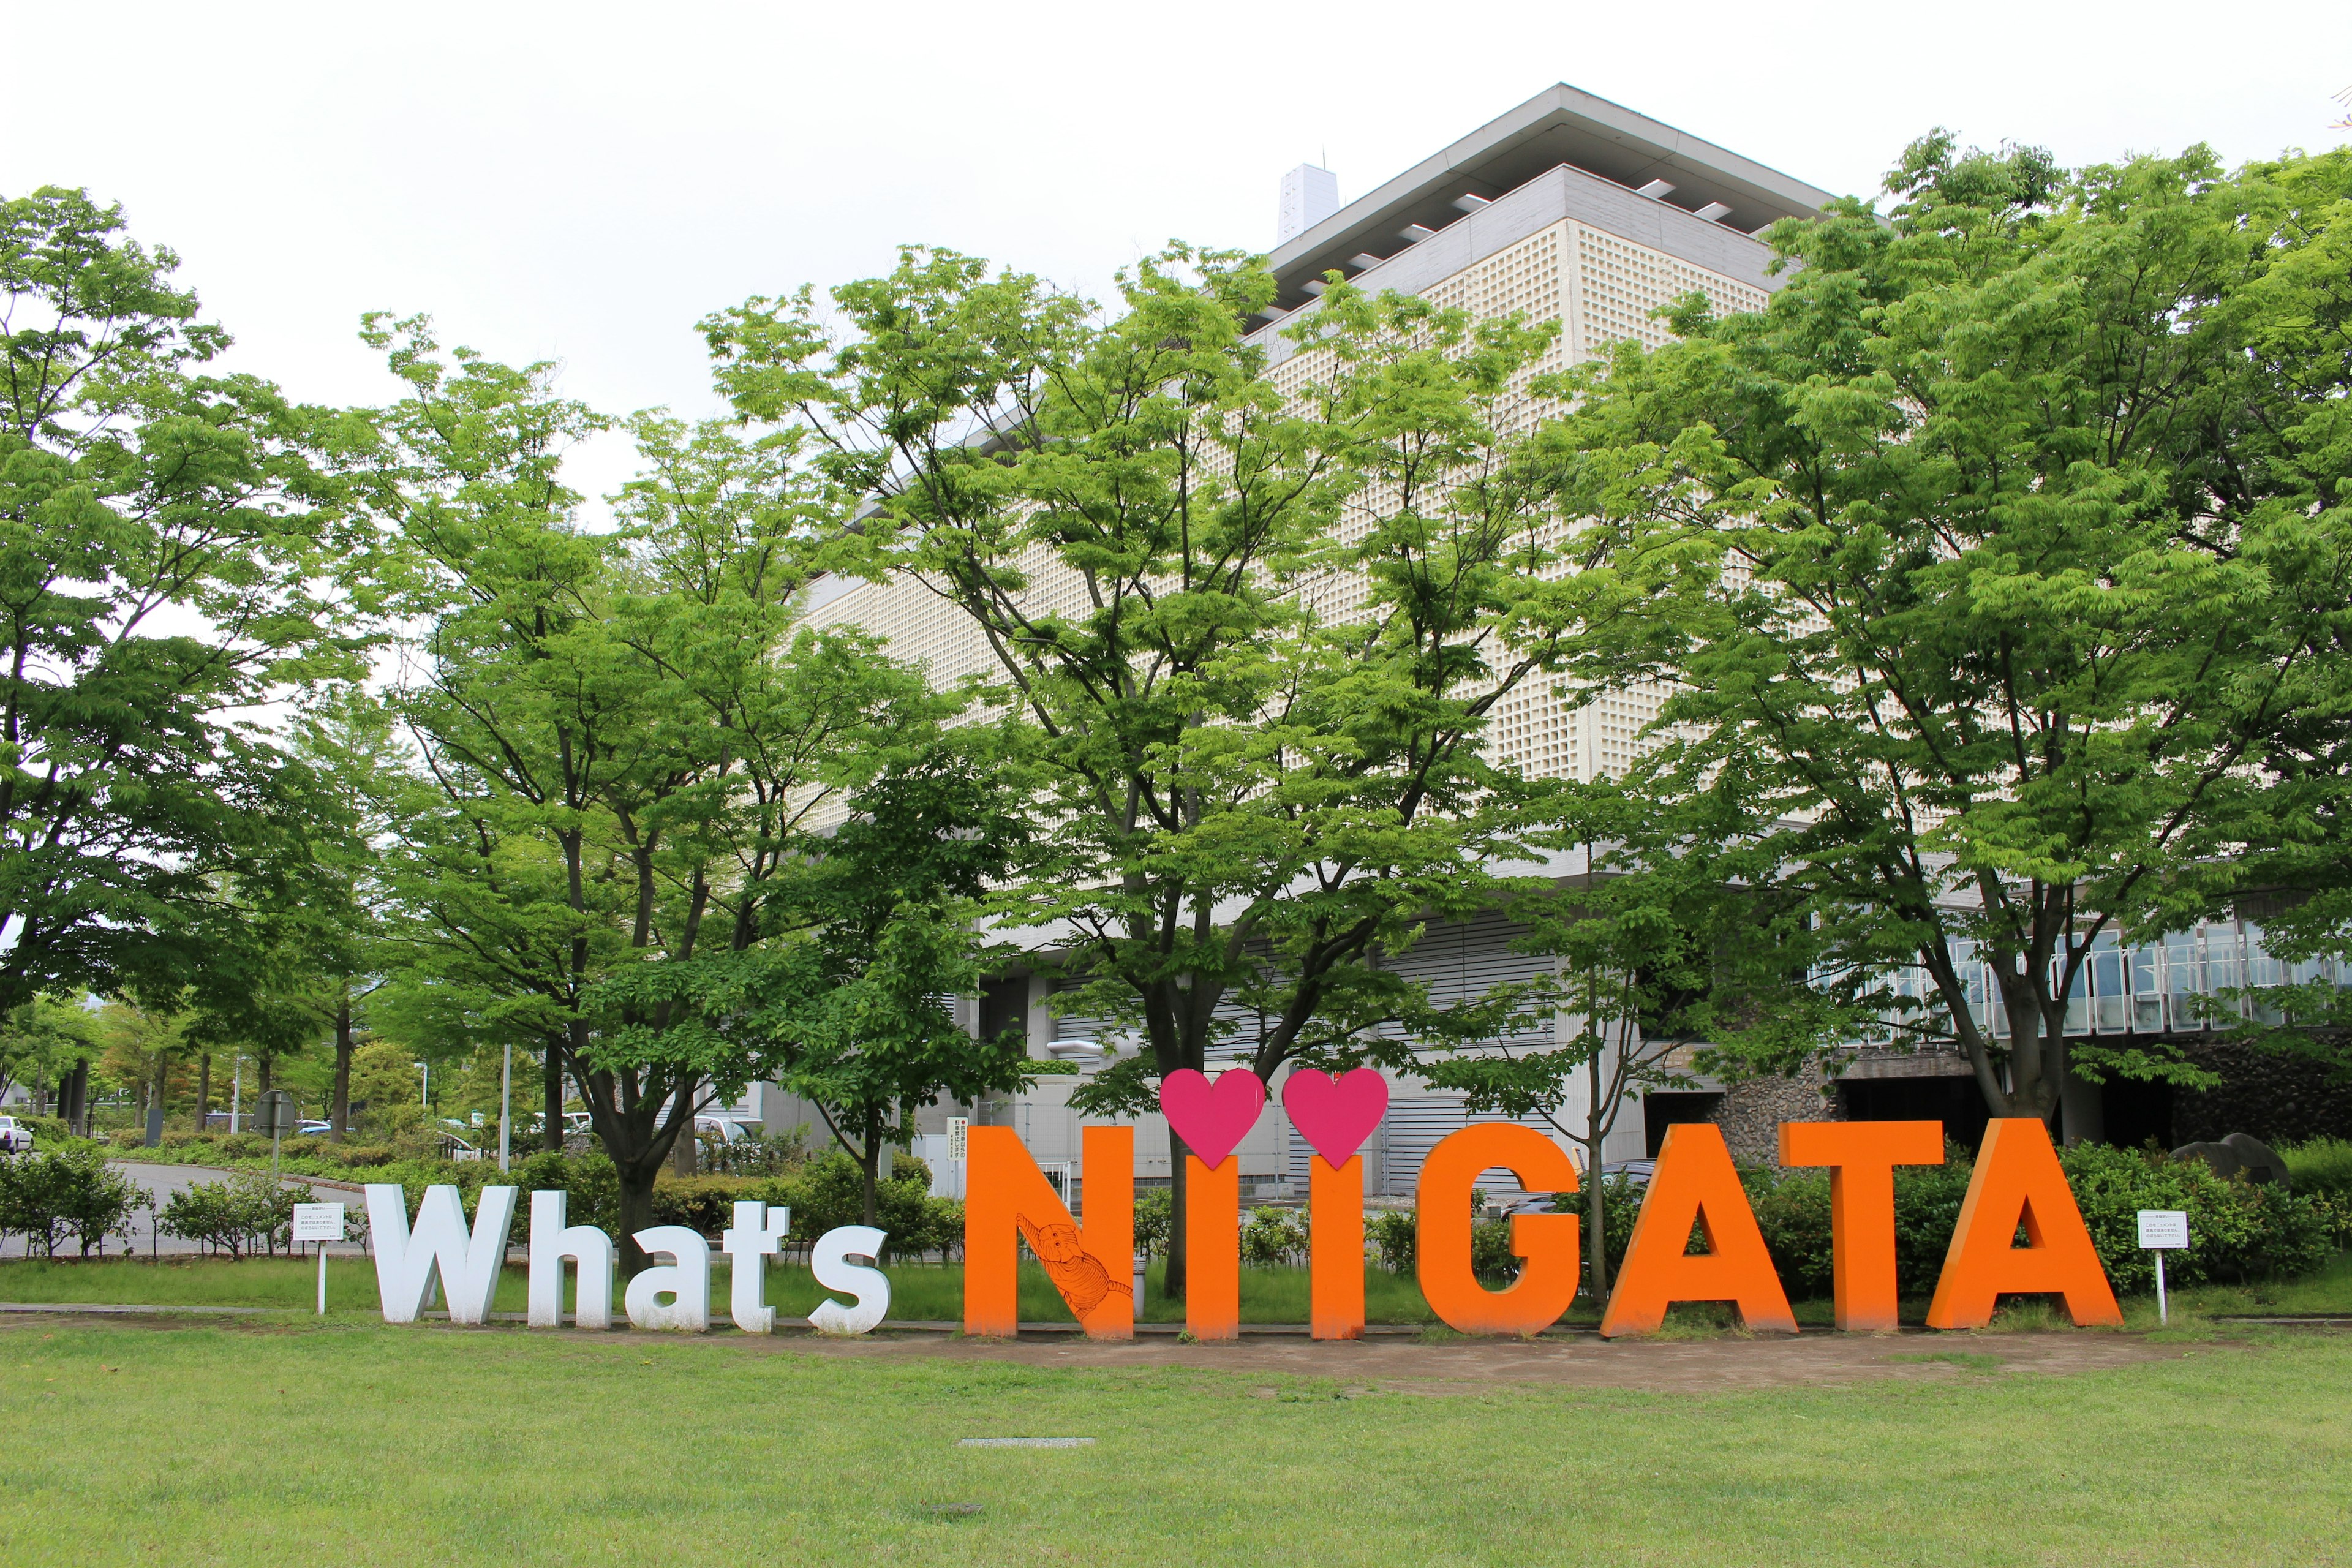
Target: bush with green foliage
<point>47,1197</point>
<point>1491,1257</point>
<point>248,1213</point>
<point>1273,1237</point>
<point>1155,1219</point>
<point>1620,1205</point>
<point>2236,1231</point>
<point>48,1132</point>
<point>2322,1168</point>
<point>1393,1234</point>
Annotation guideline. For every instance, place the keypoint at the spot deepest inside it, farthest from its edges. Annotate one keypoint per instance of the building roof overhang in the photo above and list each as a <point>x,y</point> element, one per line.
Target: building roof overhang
<point>1561,124</point>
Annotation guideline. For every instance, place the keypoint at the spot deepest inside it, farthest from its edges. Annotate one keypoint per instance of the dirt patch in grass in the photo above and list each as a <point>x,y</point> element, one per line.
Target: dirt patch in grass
<point>1467,1366</point>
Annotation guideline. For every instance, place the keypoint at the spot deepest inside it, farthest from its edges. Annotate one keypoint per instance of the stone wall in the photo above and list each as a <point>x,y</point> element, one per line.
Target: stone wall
<point>1752,1111</point>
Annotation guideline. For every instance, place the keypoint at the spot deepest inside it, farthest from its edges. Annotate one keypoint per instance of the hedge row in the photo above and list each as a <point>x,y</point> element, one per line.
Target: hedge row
<point>824,1194</point>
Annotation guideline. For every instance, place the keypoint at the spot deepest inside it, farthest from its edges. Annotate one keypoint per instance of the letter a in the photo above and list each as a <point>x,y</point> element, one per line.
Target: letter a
<point>1695,1182</point>
<point>2018,1180</point>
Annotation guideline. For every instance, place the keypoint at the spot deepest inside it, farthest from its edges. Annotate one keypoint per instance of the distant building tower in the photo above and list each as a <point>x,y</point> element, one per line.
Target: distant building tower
<point>1309,195</point>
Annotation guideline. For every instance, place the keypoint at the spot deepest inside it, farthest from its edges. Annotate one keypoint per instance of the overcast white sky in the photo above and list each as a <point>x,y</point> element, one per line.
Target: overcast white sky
<point>581,181</point>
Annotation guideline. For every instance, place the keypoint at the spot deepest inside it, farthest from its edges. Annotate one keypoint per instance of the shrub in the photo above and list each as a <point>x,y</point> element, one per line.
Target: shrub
<point>249,1212</point>
<point>759,1154</point>
<point>361,1155</point>
<point>1391,1233</point>
<point>50,1130</point>
<point>830,1191</point>
<point>1621,1206</point>
<point>2236,1230</point>
<point>69,1191</point>
<point>1155,1219</point>
<point>705,1205</point>
<point>1491,1257</point>
<point>2323,1169</point>
<point>1274,1236</point>
<point>943,1222</point>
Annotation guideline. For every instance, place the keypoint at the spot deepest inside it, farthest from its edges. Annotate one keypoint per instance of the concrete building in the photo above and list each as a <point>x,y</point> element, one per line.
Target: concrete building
<point>1567,208</point>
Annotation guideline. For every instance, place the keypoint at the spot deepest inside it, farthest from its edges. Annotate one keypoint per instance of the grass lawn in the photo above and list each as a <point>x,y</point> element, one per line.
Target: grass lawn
<point>268,1443</point>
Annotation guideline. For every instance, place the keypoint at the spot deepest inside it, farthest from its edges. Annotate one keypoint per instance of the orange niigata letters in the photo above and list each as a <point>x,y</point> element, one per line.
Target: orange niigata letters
<point>1441,1239</point>
<point>1334,1249</point>
<point>1212,1248</point>
<point>1694,1181</point>
<point>1862,1157</point>
<point>1092,1266</point>
<point>2018,1180</point>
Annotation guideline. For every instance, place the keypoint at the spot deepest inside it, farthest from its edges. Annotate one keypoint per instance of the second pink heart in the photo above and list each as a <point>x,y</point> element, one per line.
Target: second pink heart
<point>1335,1115</point>
<point>1211,1119</point>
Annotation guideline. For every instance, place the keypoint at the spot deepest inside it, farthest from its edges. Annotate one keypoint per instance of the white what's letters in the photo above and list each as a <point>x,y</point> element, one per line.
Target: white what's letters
<point>758,1232</point>
<point>870,1288</point>
<point>688,1279</point>
<point>553,1241</point>
<point>407,1261</point>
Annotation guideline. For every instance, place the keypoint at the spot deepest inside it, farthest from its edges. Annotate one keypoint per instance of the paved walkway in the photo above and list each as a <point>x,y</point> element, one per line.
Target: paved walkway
<point>161,1181</point>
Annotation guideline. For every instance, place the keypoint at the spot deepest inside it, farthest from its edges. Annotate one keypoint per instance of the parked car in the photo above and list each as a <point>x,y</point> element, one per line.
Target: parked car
<point>456,1148</point>
<point>1636,1171</point>
<point>725,1129</point>
<point>313,1128</point>
<point>15,1138</point>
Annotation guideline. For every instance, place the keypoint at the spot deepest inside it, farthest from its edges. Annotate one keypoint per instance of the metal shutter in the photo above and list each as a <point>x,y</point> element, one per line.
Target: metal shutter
<point>1416,1125</point>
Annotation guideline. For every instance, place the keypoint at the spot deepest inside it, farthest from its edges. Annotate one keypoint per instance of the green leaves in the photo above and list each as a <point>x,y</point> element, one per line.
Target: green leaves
<point>171,557</point>
<point>1960,562</point>
<point>1252,629</point>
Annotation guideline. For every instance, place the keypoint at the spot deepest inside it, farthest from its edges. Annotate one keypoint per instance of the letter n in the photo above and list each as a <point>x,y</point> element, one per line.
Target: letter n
<point>1093,1264</point>
<point>2018,1180</point>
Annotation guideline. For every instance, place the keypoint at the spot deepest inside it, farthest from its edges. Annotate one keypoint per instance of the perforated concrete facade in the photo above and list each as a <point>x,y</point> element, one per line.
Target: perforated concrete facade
<point>1599,285</point>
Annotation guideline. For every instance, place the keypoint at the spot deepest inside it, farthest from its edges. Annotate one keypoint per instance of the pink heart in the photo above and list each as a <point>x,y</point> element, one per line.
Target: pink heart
<point>1338,1115</point>
<point>1211,1118</point>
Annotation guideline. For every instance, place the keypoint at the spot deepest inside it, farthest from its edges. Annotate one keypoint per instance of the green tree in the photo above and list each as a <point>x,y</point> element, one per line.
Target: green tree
<point>887,911</point>
<point>1955,556</point>
<point>1678,952</point>
<point>41,1039</point>
<point>622,738</point>
<point>1260,732</point>
<point>168,556</point>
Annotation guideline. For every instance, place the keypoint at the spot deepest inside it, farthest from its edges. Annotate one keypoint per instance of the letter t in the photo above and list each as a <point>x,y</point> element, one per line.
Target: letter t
<point>1862,1157</point>
<point>755,1236</point>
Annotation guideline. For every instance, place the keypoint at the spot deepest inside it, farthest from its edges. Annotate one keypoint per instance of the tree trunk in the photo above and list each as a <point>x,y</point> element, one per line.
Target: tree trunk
<point>686,1155</point>
<point>1172,1284</point>
<point>341,1119</point>
<point>869,1161</point>
<point>203,1090</point>
<point>551,1125</point>
<point>637,1178</point>
<point>263,1065</point>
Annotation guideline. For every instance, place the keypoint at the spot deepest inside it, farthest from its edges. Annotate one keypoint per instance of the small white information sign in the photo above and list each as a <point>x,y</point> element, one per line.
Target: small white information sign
<point>957,1126</point>
<point>317,1222</point>
<point>2163,1228</point>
